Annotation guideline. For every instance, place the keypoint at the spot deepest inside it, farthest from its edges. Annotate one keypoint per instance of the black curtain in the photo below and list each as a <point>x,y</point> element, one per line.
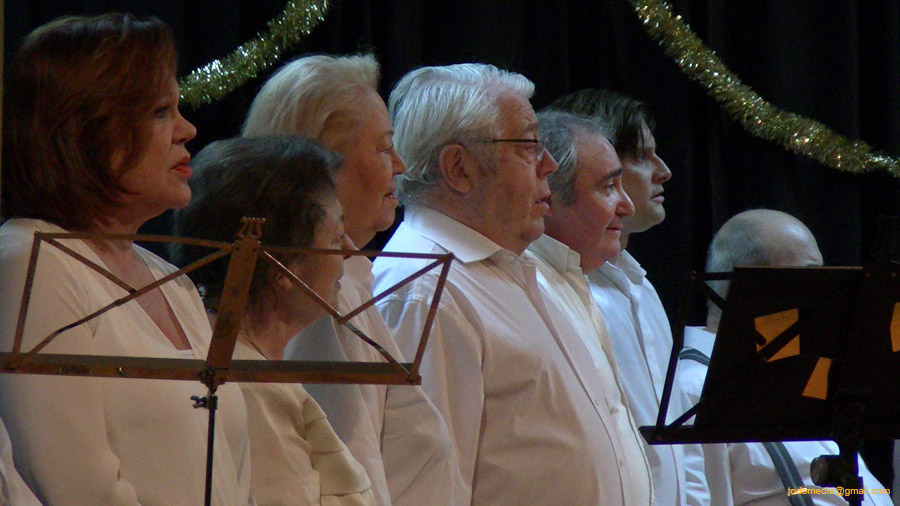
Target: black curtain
<point>835,62</point>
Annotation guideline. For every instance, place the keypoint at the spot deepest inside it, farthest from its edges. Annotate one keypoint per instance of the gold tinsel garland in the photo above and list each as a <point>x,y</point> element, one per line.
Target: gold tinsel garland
<point>792,131</point>
<point>220,77</point>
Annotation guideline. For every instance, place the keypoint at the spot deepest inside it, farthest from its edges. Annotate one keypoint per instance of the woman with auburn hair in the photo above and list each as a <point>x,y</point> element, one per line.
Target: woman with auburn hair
<point>94,142</point>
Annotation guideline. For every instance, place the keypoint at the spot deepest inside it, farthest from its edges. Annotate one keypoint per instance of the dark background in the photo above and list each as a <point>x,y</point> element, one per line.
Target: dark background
<point>835,62</point>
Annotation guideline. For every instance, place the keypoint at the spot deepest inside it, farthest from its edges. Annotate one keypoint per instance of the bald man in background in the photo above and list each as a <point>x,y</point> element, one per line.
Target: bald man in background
<point>745,473</point>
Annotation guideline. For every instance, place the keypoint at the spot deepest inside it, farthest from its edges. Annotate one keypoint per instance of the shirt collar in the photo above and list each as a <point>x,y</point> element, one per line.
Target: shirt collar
<point>629,267</point>
<point>359,268</point>
<point>558,255</point>
<point>466,244</point>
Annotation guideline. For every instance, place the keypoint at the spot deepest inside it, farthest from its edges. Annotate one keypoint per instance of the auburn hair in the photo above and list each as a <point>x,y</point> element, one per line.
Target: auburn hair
<point>78,106</point>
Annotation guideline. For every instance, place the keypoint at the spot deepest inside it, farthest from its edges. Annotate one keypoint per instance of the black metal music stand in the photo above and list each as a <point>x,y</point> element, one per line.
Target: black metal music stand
<point>801,354</point>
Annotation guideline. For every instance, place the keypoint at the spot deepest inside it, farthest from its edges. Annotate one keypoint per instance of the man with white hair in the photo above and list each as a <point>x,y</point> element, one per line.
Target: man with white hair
<point>756,473</point>
<point>526,409</point>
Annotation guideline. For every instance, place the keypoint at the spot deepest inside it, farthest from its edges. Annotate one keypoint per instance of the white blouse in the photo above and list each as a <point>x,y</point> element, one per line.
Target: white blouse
<point>111,441</point>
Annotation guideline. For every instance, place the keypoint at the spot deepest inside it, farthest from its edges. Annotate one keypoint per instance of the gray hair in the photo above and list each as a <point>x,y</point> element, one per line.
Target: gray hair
<point>310,92</point>
<point>559,131</point>
<point>435,106</point>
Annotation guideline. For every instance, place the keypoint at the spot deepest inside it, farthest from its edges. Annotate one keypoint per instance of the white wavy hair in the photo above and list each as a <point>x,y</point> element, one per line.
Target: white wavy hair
<point>435,106</point>
<point>310,97</point>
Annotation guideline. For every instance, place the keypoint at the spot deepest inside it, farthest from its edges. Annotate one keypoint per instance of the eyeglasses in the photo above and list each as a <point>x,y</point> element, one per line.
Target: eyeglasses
<point>534,147</point>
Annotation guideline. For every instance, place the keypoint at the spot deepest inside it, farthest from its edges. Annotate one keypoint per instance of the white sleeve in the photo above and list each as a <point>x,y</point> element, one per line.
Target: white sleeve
<point>349,413</point>
<point>451,369</point>
<point>417,451</point>
<point>696,486</point>
<point>56,423</point>
<point>695,476</point>
<point>707,467</point>
<point>282,469</point>
<point>13,491</point>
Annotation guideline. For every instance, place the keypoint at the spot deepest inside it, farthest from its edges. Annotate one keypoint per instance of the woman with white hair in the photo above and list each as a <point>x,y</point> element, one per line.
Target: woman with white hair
<point>394,431</point>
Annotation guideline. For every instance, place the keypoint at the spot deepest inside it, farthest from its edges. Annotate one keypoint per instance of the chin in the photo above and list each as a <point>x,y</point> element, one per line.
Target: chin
<point>532,234</point>
<point>181,200</point>
<point>611,253</point>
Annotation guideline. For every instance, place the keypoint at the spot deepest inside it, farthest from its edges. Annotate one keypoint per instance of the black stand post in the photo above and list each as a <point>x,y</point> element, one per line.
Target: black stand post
<point>211,403</point>
<point>842,471</point>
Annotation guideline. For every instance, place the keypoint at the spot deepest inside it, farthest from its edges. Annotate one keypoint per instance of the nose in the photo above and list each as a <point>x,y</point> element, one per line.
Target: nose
<point>397,163</point>
<point>661,171</point>
<point>625,207</point>
<point>184,130</point>
<point>547,165</point>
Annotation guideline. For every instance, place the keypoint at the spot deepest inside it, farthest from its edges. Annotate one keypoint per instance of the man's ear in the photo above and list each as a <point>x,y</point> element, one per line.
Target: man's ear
<point>457,168</point>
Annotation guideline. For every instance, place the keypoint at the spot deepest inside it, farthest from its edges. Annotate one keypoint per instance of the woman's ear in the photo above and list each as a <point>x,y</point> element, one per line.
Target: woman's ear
<point>457,168</point>
<point>282,282</point>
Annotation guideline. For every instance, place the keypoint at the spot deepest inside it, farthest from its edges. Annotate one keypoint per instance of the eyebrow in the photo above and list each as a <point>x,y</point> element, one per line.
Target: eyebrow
<point>532,127</point>
<point>614,174</point>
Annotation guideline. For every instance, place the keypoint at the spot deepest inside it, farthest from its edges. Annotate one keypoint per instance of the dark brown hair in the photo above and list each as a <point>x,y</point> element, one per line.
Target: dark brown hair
<point>624,115</point>
<point>284,179</point>
<point>79,91</point>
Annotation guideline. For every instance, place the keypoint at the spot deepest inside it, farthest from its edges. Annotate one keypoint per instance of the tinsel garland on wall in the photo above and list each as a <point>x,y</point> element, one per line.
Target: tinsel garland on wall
<point>220,77</point>
<point>792,131</point>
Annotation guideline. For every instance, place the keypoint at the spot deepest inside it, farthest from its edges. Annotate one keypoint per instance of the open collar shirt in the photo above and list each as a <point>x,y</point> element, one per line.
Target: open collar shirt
<point>743,473</point>
<point>562,280</point>
<point>111,441</point>
<point>517,387</point>
<point>642,344</point>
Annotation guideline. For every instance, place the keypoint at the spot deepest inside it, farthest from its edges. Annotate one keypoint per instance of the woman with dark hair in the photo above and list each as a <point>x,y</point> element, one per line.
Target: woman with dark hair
<point>297,457</point>
<point>93,142</point>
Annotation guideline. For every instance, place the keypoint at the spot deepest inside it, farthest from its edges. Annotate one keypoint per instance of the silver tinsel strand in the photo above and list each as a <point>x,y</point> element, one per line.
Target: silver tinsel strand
<point>792,131</point>
<point>220,77</point>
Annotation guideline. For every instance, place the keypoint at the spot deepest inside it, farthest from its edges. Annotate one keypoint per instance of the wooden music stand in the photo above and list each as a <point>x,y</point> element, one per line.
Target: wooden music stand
<point>219,367</point>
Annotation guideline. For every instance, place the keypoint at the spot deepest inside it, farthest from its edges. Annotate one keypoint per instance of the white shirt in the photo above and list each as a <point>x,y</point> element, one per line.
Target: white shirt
<point>743,473</point>
<point>394,430</point>
<point>111,441</point>
<point>13,491</point>
<point>297,457</point>
<point>642,342</point>
<point>562,281</point>
<point>515,383</point>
